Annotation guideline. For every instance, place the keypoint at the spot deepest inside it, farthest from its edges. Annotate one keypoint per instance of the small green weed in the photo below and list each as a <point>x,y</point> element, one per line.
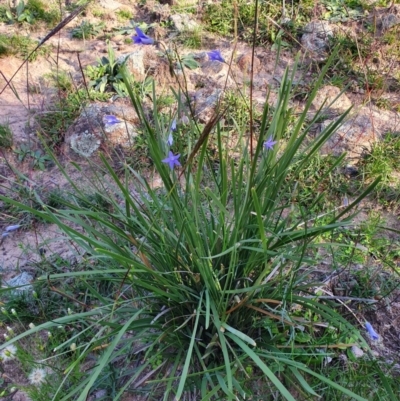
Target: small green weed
<point>192,39</point>
<point>87,30</point>
<point>39,159</point>
<point>21,46</point>
<point>6,136</point>
<point>123,15</point>
<point>61,80</point>
<point>33,10</point>
<point>343,10</point>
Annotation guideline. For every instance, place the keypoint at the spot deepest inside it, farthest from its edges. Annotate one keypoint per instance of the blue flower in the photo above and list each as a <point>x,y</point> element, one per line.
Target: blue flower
<point>372,333</point>
<point>269,144</point>
<point>172,160</point>
<point>215,55</point>
<point>170,139</point>
<point>141,38</point>
<point>173,125</point>
<point>12,228</point>
<point>110,120</point>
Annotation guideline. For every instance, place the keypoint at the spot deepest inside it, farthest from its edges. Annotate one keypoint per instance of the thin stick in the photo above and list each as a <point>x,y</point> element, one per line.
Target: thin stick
<point>255,29</point>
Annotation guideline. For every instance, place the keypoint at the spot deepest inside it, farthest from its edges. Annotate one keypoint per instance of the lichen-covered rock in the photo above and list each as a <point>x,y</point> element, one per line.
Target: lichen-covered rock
<point>183,22</point>
<point>23,281</point>
<point>85,143</point>
<point>316,37</point>
<point>90,129</point>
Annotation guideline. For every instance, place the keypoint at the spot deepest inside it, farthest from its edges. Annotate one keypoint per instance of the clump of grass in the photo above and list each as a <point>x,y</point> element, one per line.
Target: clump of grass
<point>41,12</point>
<point>21,46</point>
<point>210,270</point>
<point>192,39</point>
<point>6,136</point>
<point>124,15</point>
<point>87,30</point>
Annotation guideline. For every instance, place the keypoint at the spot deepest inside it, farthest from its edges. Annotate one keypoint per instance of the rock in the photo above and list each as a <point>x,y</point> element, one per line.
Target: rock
<point>388,21</point>
<point>24,279</point>
<point>118,38</point>
<point>89,130</point>
<point>205,102</point>
<point>110,4</point>
<point>316,37</point>
<point>244,63</point>
<point>357,352</point>
<point>183,22</point>
<point>135,63</point>
<point>360,131</point>
<point>212,67</point>
<point>326,95</point>
<point>85,143</point>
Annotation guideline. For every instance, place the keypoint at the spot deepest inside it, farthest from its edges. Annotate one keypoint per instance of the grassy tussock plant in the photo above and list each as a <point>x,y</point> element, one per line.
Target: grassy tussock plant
<point>210,270</point>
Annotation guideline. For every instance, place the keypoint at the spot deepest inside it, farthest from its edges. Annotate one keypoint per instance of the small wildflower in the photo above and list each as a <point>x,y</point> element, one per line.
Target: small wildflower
<point>173,125</point>
<point>37,376</point>
<point>269,144</point>
<point>69,310</point>
<point>49,335</point>
<point>31,326</point>
<point>110,120</point>
<point>345,201</point>
<point>14,312</point>
<point>172,160</point>
<point>170,139</point>
<point>9,229</point>
<point>35,295</point>
<point>72,347</point>
<point>10,330</point>
<point>8,353</point>
<point>215,55</point>
<point>4,311</point>
<point>141,38</point>
<point>372,333</point>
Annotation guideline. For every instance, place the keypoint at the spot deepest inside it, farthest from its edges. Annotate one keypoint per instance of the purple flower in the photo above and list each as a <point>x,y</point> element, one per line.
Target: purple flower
<point>12,228</point>
<point>172,160</point>
<point>170,139</point>
<point>110,120</point>
<point>173,125</point>
<point>269,144</point>
<point>141,39</point>
<point>372,333</point>
<point>215,55</point>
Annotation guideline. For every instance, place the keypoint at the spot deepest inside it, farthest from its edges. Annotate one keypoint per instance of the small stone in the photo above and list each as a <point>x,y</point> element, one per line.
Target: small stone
<point>357,352</point>
<point>183,22</point>
<point>316,38</point>
<point>24,279</point>
<point>244,63</point>
<point>135,63</point>
<point>389,21</point>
